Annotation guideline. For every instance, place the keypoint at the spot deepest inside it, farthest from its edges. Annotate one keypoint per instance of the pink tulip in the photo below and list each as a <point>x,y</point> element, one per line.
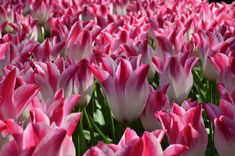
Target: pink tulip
<point>225,66</point>
<point>102,149</point>
<point>7,13</point>
<point>186,127</point>
<point>80,41</point>
<point>29,27</point>
<point>14,101</point>
<point>58,111</point>
<point>131,144</point>
<point>157,101</point>
<point>176,72</point>
<point>15,52</point>
<point>223,118</point>
<point>41,137</point>
<point>52,128</point>
<point>84,83</point>
<point>224,135</point>
<point>52,76</point>
<point>40,10</point>
<point>48,49</point>
<point>125,86</point>
<point>144,49</point>
<point>3,50</point>
<point>120,6</point>
<point>206,49</point>
<point>7,128</point>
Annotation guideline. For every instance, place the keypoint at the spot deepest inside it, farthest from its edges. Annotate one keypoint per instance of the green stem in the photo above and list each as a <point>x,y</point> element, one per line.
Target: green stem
<point>81,138</point>
<point>89,126</point>
<point>212,100</point>
<point>104,137</point>
<point>112,122</point>
<point>211,137</point>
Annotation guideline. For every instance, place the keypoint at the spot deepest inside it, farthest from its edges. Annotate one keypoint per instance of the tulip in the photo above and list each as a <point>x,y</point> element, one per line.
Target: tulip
<point>3,50</point>
<point>224,135</point>
<point>40,10</point>
<point>41,137</point>
<point>145,50</point>
<point>51,77</point>
<point>80,41</point>
<point>225,66</point>
<point>58,111</point>
<point>157,101</point>
<point>14,101</point>
<point>125,86</point>
<point>208,44</point>
<point>131,144</point>
<point>15,53</point>
<point>149,144</point>
<point>223,118</point>
<point>84,83</point>
<point>8,127</point>
<point>48,49</point>
<point>185,127</point>
<point>7,13</point>
<point>120,7</point>
<point>176,72</point>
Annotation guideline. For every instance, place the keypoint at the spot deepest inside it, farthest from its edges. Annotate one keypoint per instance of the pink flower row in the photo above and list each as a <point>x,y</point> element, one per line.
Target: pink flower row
<point>122,44</point>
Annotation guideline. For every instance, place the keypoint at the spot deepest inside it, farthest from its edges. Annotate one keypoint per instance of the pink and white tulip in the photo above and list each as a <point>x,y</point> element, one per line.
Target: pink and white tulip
<point>84,83</point>
<point>185,126</point>
<point>14,101</point>
<point>40,10</point>
<point>223,118</point>
<point>125,86</point>
<point>157,101</point>
<point>176,72</point>
<point>80,41</point>
<point>208,44</point>
<point>131,144</point>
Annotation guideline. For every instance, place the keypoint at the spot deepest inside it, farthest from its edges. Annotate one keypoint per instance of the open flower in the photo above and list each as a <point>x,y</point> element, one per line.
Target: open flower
<point>14,101</point>
<point>131,144</point>
<point>40,10</point>
<point>50,77</point>
<point>157,101</point>
<point>125,86</point>
<point>84,83</point>
<point>80,41</point>
<point>223,118</point>
<point>176,72</point>
<point>208,44</point>
<point>225,65</point>
<point>185,126</point>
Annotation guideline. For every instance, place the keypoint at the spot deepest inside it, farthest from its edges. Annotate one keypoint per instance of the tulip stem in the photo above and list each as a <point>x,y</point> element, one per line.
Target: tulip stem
<point>89,126</point>
<point>41,36</point>
<point>212,139</point>
<point>81,138</point>
<point>212,100</point>
<point>112,123</point>
<point>104,137</point>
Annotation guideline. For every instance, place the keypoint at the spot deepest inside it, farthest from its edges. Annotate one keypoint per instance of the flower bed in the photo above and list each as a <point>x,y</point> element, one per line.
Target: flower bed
<point>117,77</point>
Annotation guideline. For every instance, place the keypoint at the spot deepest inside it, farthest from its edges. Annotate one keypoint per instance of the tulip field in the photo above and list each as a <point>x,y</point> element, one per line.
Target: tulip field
<point>117,78</point>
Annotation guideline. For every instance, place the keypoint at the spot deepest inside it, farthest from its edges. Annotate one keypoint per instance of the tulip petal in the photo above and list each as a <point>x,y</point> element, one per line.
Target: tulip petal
<point>70,122</point>
<point>175,150</point>
<point>23,96</point>
<point>128,136</point>
<point>53,139</point>
<point>3,50</point>
<point>212,111</point>
<point>220,61</point>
